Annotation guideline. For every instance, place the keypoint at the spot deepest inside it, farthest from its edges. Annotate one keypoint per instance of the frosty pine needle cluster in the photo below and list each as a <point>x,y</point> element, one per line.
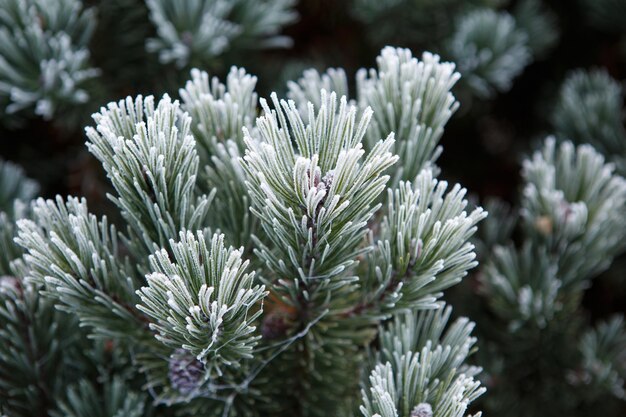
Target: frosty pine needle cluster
<point>49,48</point>
<point>569,227</point>
<point>333,289</point>
<point>490,43</point>
<point>44,56</point>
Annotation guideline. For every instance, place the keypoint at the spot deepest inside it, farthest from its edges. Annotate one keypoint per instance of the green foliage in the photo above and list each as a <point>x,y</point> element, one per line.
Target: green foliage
<point>589,110</point>
<point>219,113</point>
<point>77,259</point>
<point>33,335</point>
<point>490,50</point>
<point>48,48</point>
<point>44,60</point>
<point>332,266</point>
<point>603,349</point>
<point>314,200</point>
<point>196,32</point>
<point>41,348</point>
<point>571,226</point>
<point>202,302</point>
<point>259,267</point>
<point>522,286</point>
<point>423,246</point>
<point>37,343</point>
<point>151,159</point>
<point>572,221</point>
<point>573,205</point>
<point>14,185</point>
<point>16,190</point>
<point>412,98</point>
<point>420,369</point>
<point>115,400</point>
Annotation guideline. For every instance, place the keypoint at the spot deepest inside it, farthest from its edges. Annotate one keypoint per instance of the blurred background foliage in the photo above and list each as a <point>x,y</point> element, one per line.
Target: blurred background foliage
<point>484,141</point>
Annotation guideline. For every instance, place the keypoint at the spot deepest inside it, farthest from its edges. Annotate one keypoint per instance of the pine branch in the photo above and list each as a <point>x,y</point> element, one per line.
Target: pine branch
<point>589,110</point>
<point>150,157</point>
<point>314,189</point>
<point>39,348</point>
<point>420,370</point>
<point>219,114</point>
<point>308,88</point>
<point>116,399</point>
<point>573,204</point>
<point>313,204</point>
<point>490,51</point>
<point>572,229</point>
<point>76,258</point>
<point>523,285</point>
<point>411,98</point>
<point>16,190</point>
<point>423,246</point>
<point>315,192</point>
<point>204,303</point>
<point>197,32</point>
<point>44,60</point>
<point>603,350</point>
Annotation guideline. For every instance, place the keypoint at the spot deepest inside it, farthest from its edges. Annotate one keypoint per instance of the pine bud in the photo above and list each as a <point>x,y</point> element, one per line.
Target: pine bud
<point>185,371</point>
<point>422,410</point>
<point>543,224</point>
<point>324,184</point>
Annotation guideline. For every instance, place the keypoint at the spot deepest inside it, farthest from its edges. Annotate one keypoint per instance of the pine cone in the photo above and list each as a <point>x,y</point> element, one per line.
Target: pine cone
<point>186,372</point>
